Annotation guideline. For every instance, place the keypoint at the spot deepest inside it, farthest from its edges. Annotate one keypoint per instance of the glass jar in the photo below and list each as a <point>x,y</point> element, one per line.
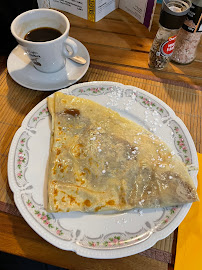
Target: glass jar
<point>189,35</point>
<point>172,16</point>
<point>162,48</point>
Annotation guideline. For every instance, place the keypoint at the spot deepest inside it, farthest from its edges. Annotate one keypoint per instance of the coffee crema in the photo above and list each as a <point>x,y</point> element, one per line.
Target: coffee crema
<point>42,34</point>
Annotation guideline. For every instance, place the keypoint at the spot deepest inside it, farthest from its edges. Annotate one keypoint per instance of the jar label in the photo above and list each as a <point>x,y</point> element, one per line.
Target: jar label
<point>167,47</point>
<point>193,22</point>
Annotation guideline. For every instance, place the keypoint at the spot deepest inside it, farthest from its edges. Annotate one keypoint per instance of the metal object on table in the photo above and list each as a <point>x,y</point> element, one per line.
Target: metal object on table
<point>78,59</point>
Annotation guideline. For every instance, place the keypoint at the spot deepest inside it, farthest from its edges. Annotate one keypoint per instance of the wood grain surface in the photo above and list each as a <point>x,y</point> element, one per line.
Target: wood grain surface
<point>18,238</point>
<point>120,42</point>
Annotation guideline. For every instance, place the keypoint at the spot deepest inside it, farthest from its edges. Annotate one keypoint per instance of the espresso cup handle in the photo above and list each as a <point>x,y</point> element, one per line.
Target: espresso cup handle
<point>73,46</point>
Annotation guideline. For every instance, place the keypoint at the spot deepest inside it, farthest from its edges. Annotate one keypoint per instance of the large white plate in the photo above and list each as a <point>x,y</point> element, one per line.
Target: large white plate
<point>101,235</point>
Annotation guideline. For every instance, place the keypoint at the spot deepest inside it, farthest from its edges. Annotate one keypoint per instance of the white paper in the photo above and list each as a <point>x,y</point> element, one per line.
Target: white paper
<point>136,8</point>
<point>95,10</point>
<point>76,7</point>
<point>104,7</point>
<point>142,10</point>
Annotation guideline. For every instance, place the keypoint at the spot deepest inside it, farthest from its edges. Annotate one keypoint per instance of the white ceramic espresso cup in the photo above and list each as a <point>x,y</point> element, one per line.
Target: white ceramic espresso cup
<point>48,56</point>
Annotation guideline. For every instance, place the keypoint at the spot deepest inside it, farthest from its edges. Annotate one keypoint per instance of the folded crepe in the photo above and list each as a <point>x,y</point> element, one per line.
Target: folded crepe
<point>102,161</point>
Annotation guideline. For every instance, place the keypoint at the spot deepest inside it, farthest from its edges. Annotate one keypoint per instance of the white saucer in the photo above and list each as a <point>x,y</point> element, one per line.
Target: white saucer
<point>23,72</point>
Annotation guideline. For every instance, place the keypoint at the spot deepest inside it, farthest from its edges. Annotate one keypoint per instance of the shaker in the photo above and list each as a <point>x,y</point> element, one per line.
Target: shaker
<point>172,16</point>
<point>189,35</point>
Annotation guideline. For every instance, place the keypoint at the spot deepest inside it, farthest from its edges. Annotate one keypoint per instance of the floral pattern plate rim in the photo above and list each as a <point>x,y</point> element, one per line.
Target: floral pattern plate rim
<point>101,235</point>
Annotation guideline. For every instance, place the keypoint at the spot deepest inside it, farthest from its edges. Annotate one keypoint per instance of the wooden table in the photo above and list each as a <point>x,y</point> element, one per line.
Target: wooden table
<point>120,41</point>
<point>117,41</point>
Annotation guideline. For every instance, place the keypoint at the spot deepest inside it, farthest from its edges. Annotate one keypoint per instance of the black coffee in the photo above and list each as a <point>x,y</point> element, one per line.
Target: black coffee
<point>42,34</point>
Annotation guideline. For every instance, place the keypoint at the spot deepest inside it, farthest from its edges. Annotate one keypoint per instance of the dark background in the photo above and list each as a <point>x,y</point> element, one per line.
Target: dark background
<point>9,9</point>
